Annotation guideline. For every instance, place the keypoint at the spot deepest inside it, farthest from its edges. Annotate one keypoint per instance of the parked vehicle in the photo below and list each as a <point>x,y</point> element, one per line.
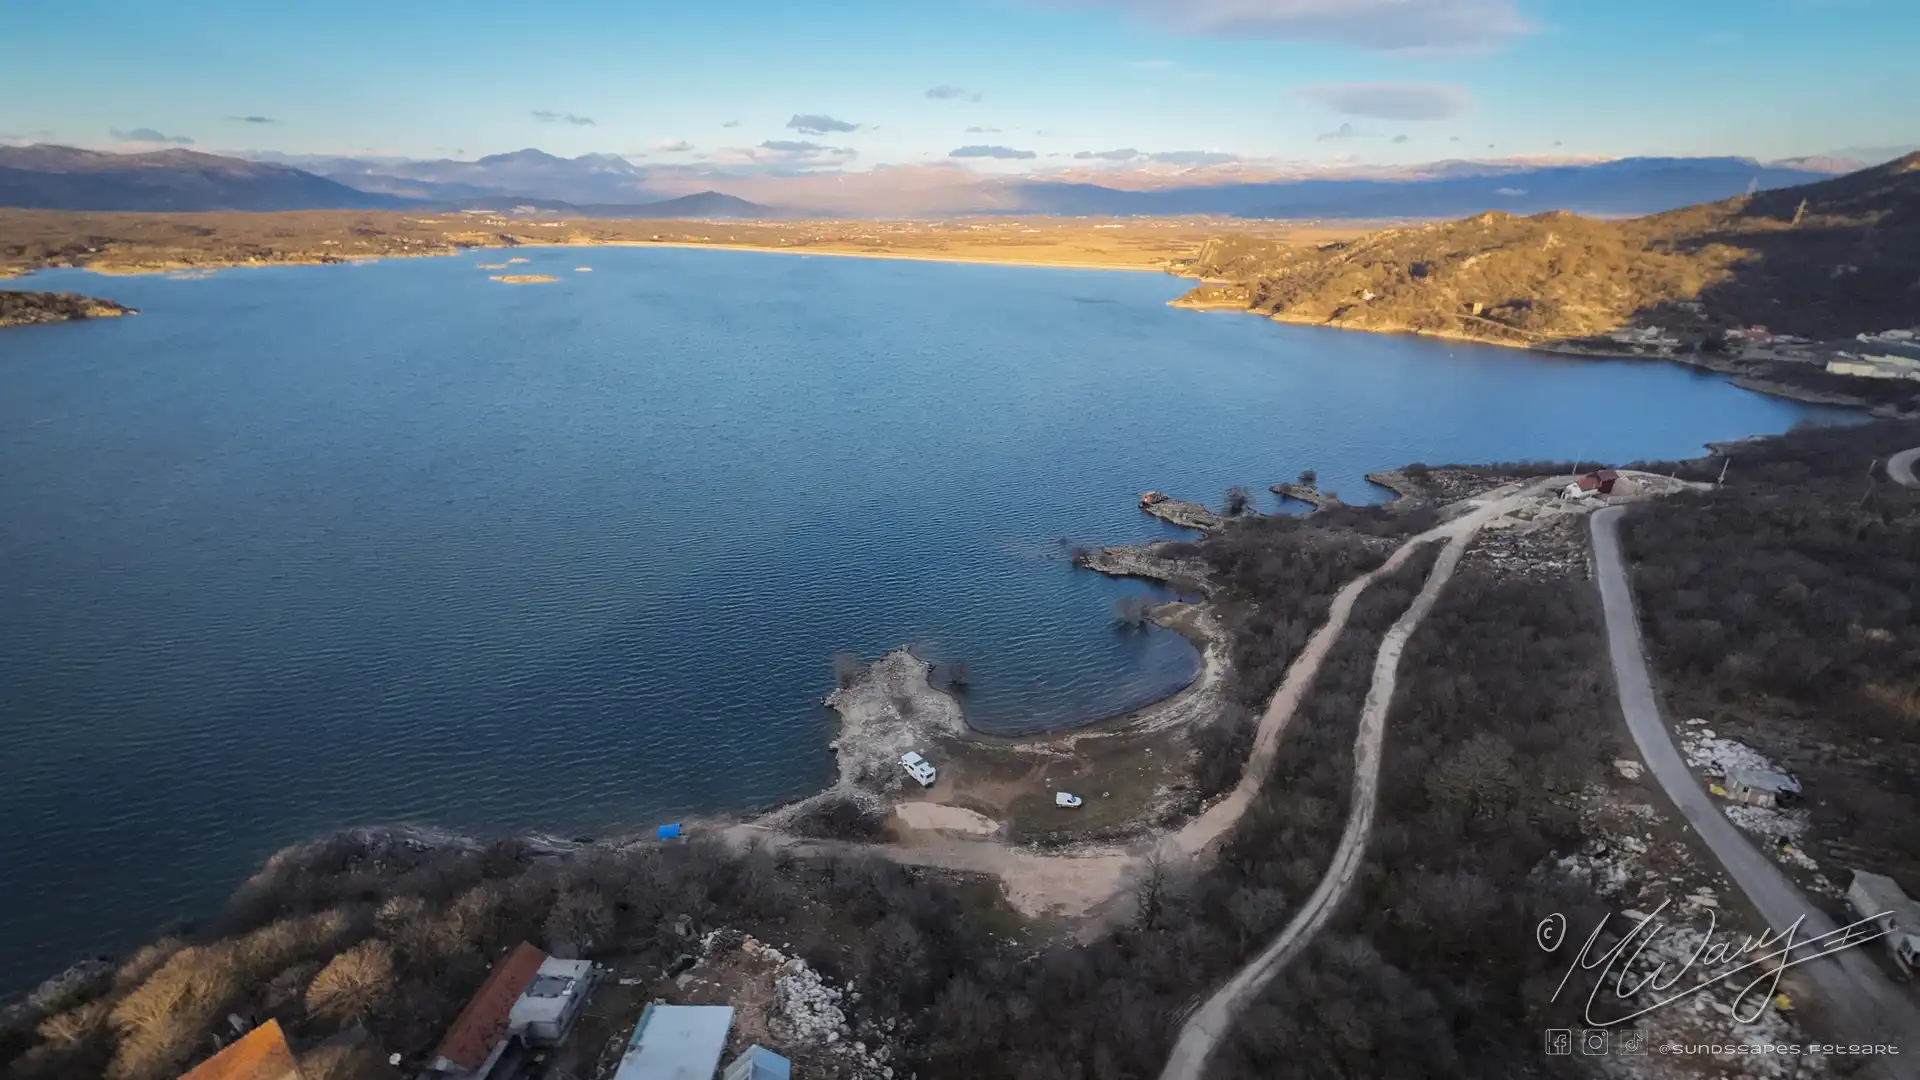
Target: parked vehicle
<point>1061,798</point>
<point>918,767</point>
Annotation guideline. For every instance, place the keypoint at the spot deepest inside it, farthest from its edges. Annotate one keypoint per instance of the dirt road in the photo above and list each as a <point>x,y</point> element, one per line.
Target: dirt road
<point>1208,1024</point>
<point>1096,879</point>
<point>1862,1003</point>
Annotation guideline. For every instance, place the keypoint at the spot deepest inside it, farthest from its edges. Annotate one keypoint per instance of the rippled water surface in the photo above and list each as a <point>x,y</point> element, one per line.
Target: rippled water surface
<point>307,547</point>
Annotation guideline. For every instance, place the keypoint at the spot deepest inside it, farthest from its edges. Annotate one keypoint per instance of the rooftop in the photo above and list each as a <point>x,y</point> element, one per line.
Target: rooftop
<point>260,1054</point>
<point>550,994</point>
<point>677,1042</point>
<point>484,1021</point>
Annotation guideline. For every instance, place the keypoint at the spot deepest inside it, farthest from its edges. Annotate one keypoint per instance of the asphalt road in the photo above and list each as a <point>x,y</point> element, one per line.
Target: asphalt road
<point>1864,1005</point>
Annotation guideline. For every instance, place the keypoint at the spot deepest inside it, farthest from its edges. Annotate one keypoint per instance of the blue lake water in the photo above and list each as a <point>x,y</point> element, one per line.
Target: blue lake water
<point>299,548</point>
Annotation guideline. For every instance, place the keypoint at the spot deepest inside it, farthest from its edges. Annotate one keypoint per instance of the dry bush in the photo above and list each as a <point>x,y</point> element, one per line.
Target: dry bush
<point>354,985</point>
<point>336,1061</point>
<point>475,915</point>
<point>145,961</point>
<point>579,922</point>
<point>289,986</point>
<point>76,1025</point>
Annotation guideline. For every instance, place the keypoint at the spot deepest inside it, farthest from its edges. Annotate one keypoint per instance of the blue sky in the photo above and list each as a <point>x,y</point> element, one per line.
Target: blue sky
<point>1376,81</point>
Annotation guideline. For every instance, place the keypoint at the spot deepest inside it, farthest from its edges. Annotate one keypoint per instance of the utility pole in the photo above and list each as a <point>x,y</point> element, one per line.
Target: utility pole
<point>1800,212</point>
<point>1723,472</point>
<point>1867,494</point>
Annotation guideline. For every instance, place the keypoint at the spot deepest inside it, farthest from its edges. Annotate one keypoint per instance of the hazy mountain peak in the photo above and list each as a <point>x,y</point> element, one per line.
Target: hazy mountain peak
<point>528,156</point>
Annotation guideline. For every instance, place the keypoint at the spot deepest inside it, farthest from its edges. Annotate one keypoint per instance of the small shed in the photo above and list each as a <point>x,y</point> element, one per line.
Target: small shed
<point>1600,480</point>
<point>1876,896</point>
<point>758,1063</point>
<point>1756,787</point>
<point>677,1042</point>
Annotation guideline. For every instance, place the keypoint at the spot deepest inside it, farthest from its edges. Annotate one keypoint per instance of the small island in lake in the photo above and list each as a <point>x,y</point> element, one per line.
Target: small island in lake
<point>524,279</point>
<point>26,308</point>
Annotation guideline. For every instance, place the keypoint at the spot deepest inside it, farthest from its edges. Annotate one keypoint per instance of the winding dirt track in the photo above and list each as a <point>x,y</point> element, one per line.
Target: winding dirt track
<point>1209,1023</point>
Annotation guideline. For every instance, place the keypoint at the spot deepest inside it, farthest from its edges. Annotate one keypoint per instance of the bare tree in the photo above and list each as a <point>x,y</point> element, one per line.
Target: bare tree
<point>958,677</point>
<point>1479,777</point>
<point>846,669</point>
<point>579,922</point>
<point>354,985</point>
<point>1239,500</point>
<point>1309,477</point>
<point>76,1025</point>
<point>1150,893</point>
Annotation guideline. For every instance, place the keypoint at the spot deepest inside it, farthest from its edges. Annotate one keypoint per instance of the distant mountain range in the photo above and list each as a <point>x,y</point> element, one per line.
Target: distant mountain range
<point>607,185</point>
<point>62,178</point>
<point>1623,187</point>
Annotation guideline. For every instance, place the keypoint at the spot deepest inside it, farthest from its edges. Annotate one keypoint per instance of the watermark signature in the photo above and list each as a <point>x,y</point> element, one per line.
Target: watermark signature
<point>1643,981</point>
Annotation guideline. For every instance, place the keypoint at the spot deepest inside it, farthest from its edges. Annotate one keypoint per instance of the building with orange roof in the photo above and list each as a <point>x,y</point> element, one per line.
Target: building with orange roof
<point>260,1054</point>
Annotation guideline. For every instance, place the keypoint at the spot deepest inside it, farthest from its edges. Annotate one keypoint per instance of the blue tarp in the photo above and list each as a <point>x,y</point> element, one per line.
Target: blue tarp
<point>668,832</point>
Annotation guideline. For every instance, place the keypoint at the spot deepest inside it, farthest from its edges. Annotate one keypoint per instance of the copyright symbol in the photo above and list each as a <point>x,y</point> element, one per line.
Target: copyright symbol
<point>1551,932</point>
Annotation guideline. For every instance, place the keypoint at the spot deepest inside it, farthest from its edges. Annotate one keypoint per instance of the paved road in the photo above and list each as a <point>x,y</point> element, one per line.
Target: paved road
<point>1210,1023</point>
<point>1864,1005</point>
<point>1900,467</point>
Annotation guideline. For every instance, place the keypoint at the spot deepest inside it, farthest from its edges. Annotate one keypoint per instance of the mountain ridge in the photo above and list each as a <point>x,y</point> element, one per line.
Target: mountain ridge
<point>178,179</point>
<point>1822,260</point>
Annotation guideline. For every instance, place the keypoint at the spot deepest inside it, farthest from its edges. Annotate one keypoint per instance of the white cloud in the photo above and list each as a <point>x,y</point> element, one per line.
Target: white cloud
<point>1392,25</point>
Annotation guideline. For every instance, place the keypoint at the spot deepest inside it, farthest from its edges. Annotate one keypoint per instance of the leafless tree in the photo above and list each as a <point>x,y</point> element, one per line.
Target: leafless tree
<point>1239,500</point>
<point>354,985</point>
<point>846,669</point>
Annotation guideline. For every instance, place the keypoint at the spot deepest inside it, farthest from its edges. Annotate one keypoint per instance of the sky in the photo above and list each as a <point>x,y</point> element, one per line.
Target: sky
<point>998,85</point>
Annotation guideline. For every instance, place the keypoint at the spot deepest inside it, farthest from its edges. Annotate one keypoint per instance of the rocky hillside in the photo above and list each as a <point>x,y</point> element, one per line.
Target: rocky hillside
<point>23,308</point>
<point>1819,260</point>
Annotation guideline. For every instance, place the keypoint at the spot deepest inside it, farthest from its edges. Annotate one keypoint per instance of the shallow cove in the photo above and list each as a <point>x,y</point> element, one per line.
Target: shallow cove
<point>297,548</point>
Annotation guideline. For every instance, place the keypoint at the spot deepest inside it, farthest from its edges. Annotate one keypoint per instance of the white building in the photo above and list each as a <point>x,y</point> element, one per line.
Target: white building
<point>549,1004</point>
<point>677,1042</point>
<point>1876,896</point>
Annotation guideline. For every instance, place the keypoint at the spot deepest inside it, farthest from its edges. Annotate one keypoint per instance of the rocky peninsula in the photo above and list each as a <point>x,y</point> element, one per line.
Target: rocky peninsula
<point>29,308</point>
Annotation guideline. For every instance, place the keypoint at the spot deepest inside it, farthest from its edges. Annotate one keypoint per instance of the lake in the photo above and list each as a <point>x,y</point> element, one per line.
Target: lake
<point>301,548</point>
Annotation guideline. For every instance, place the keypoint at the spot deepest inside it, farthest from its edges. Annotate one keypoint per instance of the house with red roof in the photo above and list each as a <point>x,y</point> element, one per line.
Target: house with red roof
<point>528,999</point>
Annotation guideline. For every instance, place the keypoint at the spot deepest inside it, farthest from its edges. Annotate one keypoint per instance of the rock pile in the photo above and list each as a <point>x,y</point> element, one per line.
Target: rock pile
<point>807,1016</point>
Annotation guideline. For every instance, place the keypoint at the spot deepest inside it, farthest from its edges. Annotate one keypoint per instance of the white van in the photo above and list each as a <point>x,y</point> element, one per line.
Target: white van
<point>918,767</point>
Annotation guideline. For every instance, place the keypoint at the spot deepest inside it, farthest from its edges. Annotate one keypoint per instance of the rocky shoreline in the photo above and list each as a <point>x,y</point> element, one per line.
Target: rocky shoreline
<point>33,308</point>
<point>1306,493</point>
<point>1147,561</point>
<point>1187,515</point>
<point>1215,296</point>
